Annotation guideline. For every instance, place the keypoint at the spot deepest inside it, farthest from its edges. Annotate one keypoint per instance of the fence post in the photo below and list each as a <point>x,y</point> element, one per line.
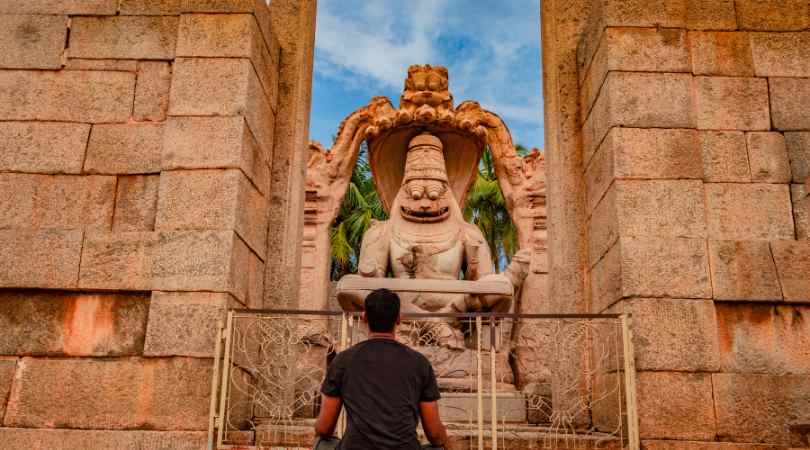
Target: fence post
<point>212,415</point>
<point>226,370</point>
<point>493,379</point>
<point>480,382</point>
<point>630,384</point>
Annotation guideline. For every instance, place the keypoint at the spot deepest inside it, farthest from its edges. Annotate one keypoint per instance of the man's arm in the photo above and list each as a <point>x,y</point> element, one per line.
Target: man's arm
<point>328,417</point>
<point>435,431</point>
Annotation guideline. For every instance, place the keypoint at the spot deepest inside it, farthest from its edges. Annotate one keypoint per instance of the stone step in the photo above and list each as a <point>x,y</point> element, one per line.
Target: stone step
<point>462,407</point>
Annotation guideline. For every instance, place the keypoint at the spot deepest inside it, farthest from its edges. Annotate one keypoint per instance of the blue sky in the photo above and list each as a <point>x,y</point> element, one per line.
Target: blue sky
<point>491,49</point>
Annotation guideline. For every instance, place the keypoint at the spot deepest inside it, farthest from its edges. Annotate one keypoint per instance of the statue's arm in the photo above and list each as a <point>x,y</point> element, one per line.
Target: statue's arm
<point>374,251</point>
<point>476,254</point>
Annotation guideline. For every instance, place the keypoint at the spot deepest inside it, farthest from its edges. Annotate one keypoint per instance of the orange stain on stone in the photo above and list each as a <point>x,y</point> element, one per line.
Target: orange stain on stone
<point>89,323</point>
<point>145,394</point>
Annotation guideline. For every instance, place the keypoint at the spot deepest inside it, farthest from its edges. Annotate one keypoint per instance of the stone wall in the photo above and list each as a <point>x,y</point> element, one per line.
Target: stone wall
<point>695,154</point>
<point>137,143</point>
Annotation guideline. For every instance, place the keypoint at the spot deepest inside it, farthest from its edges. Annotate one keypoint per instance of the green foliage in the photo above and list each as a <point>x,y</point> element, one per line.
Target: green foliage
<point>485,207</point>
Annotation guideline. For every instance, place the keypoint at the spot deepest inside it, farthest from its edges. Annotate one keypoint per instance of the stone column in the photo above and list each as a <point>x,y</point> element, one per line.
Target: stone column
<point>694,151</point>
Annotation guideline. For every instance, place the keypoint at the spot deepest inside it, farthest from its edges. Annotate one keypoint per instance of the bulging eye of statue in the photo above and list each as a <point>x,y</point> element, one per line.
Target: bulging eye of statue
<point>416,191</point>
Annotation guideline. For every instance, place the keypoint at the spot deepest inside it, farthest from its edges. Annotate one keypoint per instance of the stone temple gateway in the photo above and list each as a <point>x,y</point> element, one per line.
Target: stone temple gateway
<point>135,210</point>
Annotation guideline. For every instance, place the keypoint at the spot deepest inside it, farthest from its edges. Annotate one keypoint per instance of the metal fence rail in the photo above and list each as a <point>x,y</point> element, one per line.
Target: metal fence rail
<point>521,381</point>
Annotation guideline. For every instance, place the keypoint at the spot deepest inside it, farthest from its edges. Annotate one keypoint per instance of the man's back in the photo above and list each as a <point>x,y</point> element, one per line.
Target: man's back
<point>381,383</point>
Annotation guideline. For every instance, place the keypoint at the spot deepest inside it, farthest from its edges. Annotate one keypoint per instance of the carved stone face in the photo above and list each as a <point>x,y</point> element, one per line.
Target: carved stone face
<point>424,200</point>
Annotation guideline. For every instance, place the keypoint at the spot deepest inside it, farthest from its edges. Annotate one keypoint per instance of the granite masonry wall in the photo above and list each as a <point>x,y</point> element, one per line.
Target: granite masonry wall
<point>695,154</point>
<point>136,150</point>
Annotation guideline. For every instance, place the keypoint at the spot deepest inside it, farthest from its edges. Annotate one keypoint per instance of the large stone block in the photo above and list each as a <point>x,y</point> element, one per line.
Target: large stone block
<point>121,261</point>
<point>232,88</point>
<point>801,210</point>
<point>743,270</point>
<point>152,90</point>
<point>66,96</point>
<point>46,259</point>
<point>603,226</point>
<point>773,15</point>
<point>56,201</point>
<point>721,53</point>
<point>69,324</point>
<point>214,143</point>
<point>7,368</point>
<point>32,41</point>
<point>781,54</point>
<point>693,445</point>
<point>687,412</point>
<point>130,393</point>
<point>749,211</point>
<point>635,50</point>
<point>645,13</point>
<point>119,65</point>
<point>770,339</point>
<point>673,334</point>
<point>798,146</point>
<point>136,203</point>
<point>54,439</point>
<point>73,7</point>
<point>760,407</point>
<point>729,103</point>
<point>789,100</point>
<point>768,157</point>
<point>203,261</point>
<point>124,149</point>
<point>43,147</point>
<point>710,15</point>
<point>642,100</point>
<point>123,37</point>
<point>666,267</point>
<point>725,156</point>
<point>186,323</point>
<point>793,265</point>
<point>151,7</point>
<point>213,200</point>
<point>606,280</point>
<point>231,36</point>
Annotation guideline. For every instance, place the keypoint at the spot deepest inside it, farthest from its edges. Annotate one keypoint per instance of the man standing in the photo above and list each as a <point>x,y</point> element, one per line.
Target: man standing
<point>385,386</point>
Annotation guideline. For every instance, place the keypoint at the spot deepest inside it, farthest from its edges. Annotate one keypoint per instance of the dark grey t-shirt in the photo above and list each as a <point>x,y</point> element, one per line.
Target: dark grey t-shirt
<point>381,383</point>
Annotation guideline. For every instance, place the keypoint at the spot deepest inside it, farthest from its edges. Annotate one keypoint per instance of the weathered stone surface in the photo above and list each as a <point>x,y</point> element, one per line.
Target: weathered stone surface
<point>202,261</point>
<point>670,267</point>
<point>74,7</point>
<point>43,147</point>
<point>763,338</point>
<point>710,15</point>
<point>692,445</point>
<point>123,37</point>
<point>124,149</point>
<point>773,15</point>
<point>150,7</point>
<point>606,280</point>
<point>159,394</point>
<point>725,156</point>
<point>53,439</point>
<point>69,96</point>
<point>213,200</point>
<point>789,100</point>
<point>743,270</point>
<point>759,407</point>
<point>152,90</point>
<point>801,210</point>
<point>185,323</point>
<point>645,13</point>
<point>748,211</point>
<point>728,103</point>
<point>603,226</point>
<point>798,146</point>
<point>673,334</point>
<point>32,41</point>
<point>231,36</point>
<point>56,201</point>
<point>121,261</point>
<point>232,89</point>
<point>721,53</point>
<point>768,157</point>
<point>7,368</point>
<point>121,65</point>
<point>214,143</point>
<point>643,100</point>
<point>793,264</point>
<point>781,54</point>
<point>69,324</point>
<point>687,412</point>
<point>46,259</point>
<point>136,203</point>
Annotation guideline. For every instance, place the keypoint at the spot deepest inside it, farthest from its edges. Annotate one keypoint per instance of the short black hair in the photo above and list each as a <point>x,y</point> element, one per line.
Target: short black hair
<point>382,310</point>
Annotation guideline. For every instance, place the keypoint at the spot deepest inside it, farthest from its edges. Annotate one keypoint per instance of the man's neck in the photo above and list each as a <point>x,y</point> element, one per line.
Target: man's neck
<point>378,335</point>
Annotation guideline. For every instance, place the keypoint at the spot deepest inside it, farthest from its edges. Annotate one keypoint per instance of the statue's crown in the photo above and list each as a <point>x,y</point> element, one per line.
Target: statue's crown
<point>425,159</point>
